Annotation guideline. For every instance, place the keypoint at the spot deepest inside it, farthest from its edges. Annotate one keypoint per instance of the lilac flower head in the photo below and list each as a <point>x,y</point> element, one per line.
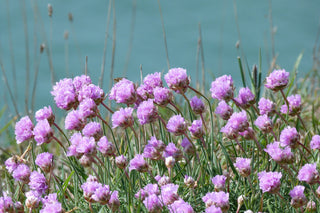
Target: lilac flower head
<point>169,193</point>
<point>80,81</point>
<point>88,108</point>
<point>23,129</point>
<point>38,182</point>
<point>105,147</point>
<point>162,96</point>
<point>86,146</point>
<point>74,121</point>
<point>177,79</point>
<point>91,91</point>
<point>187,146</point>
<point>151,152</point>
<point>309,173</point>
<point>315,142</point>
<point>43,132</point>
<point>229,131</point>
<point>102,194</point>
<point>213,209</point>
<point>45,113</point>
<point>164,180</point>
<point>222,88</point>
<point>243,166</point>
<point>11,164</point>
<point>89,188</point>
<point>196,129</point>
<point>93,129</point>
<point>138,163</point>
<point>180,206</point>
<point>197,105</point>
<point>266,107</point>
<point>239,121</point>
<point>121,161</point>
<point>172,150</point>
<point>6,204</point>
<point>248,134</point>
<point>51,204</point>
<point>19,207</point>
<point>152,81</point>
<point>114,202</point>
<point>245,98</point>
<point>124,92</point>
<point>157,144</point>
<point>122,118</point>
<point>298,197</point>
<point>64,94</point>
<point>22,173</point>
<point>142,93</point>
<point>277,80</point>
<point>147,112</point>
<point>75,140</point>
<point>264,123</point>
<point>151,189</point>
<point>33,198</point>
<point>269,181</point>
<point>153,203</point>
<point>294,105</point>
<point>45,161</point>
<point>177,125</point>
<point>219,182</point>
<point>218,199</point>
<point>289,137</point>
<point>224,110</point>
<point>278,154</point>
<point>86,160</point>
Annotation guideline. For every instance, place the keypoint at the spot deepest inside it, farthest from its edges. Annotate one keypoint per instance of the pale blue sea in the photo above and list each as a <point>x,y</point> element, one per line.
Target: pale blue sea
<point>295,23</point>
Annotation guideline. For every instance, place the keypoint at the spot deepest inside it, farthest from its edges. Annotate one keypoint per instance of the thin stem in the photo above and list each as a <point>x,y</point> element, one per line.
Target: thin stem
<point>257,143</point>
<point>100,161</point>
<point>281,116</point>
<point>135,133</point>
<point>103,104</point>
<point>178,110</point>
<point>186,135</point>
<point>60,130</point>
<point>204,123</point>
<point>274,135</point>
<point>304,126</point>
<point>59,142</point>
<point>255,109</point>
<point>285,98</point>
<point>240,146</point>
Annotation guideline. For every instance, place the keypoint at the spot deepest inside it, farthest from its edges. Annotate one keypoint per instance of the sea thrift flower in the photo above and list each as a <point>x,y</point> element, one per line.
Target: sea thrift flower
<point>269,181</point>
<point>114,202</point>
<point>197,105</point>
<point>151,152</point>
<point>45,161</point>
<point>105,147</point>
<point>74,121</point>
<point>80,81</point>
<point>45,113</point>
<point>230,132</point>
<point>86,146</point>
<point>157,144</point>
<point>147,112</point>
<point>6,204</point>
<point>164,180</point>
<point>169,193</point>
<point>264,123</point>
<point>23,129</point>
<point>243,166</point>
<point>315,142</point>
<point>86,160</point>
<point>294,105</point>
<point>51,204</point>
<point>218,199</point>
<point>196,129</point>
<point>42,132</point>
<point>245,98</point>
<point>239,121</point>
<point>213,209</point>
<point>33,199</point>
<point>277,80</point>
<point>266,107</point>
<point>124,92</point>
<point>180,206</point>
<point>222,88</point>
<point>172,150</point>
<point>138,163</point>
<point>151,189</point>
<point>122,118</point>
<point>309,173</point>
<point>311,206</point>
<point>177,79</point>
<point>177,125</point>
<point>89,188</point>
<point>142,93</point>
<point>11,164</point>
<point>152,81</point>
<point>189,181</point>
<point>224,110</point>
<point>219,182</point>
<point>153,203</point>
<point>278,154</point>
<point>122,161</point>
<point>88,108</point>
<point>64,94</point>
<point>162,96</point>
<point>298,198</point>
<point>22,173</point>
<point>93,129</point>
<point>91,91</point>
<point>289,137</point>
<point>102,194</point>
<point>38,182</point>
<point>248,134</point>
<point>75,140</point>
<point>188,147</point>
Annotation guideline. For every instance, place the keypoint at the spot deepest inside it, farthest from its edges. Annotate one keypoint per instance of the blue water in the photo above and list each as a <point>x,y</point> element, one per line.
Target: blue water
<point>296,23</point>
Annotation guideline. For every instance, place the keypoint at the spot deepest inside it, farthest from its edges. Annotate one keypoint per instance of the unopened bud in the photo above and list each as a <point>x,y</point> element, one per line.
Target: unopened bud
<point>42,46</point>
<point>170,161</point>
<point>311,206</point>
<point>50,10</point>
<point>121,162</point>
<point>70,17</point>
<point>85,161</point>
<point>241,199</point>
<point>66,35</point>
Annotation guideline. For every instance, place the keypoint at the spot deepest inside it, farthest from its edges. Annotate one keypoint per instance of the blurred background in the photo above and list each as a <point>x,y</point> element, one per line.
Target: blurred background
<point>201,36</point>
